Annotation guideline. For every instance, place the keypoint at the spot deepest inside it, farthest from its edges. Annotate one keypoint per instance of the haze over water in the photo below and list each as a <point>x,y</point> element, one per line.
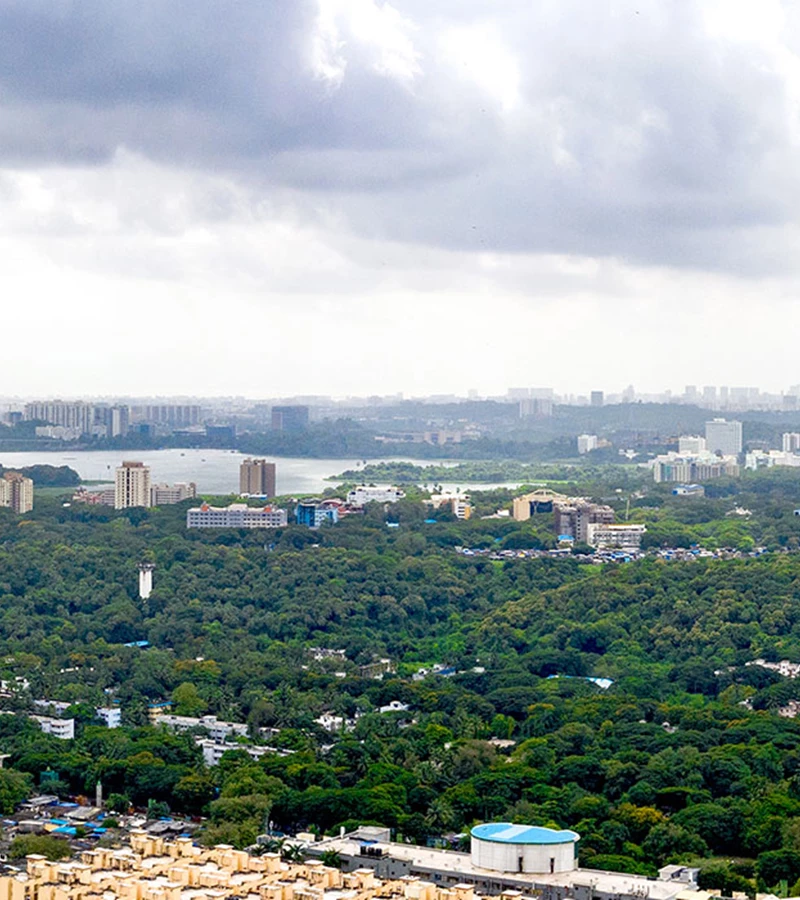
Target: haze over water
<point>214,471</point>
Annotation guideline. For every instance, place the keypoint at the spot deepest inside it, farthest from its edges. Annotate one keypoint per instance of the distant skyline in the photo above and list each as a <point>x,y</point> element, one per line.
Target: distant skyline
<point>360,197</point>
<point>510,393</point>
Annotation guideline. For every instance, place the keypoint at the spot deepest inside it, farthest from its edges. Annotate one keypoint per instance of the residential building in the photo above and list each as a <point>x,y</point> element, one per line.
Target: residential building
<point>237,515</point>
<point>461,507</point>
<point>257,478</point>
<point>168,495</point>
<point>536,407</point>
<point>79,415</point>
<point>572,519</point>
<point>514,861</point>
<point>57,432</point>
<point>131,485</point>
<point>64,729</point>
<point>724,437</point>
<point>362,495</point>
<point>766,459</point>
<point>625,536</point>
<point>596,398</point>
<point>693,468</point>
<point>217,729</point>
<point>290,418</point>
<point>790,442</point>
<point>16,492</point>
<point>172,415</point>
<point>691,445</point>
<point>55,709</point>
<point>213,750</point>
<point>111,715</point>
<point>104,497</point>
<point>587,443</point>
<point>313,513</point>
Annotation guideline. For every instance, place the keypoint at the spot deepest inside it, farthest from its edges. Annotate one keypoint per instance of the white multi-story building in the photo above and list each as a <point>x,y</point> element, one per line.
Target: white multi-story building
<point>362,495</point>
<point>237,515</point>
<point>587,443</point>
<point>766,459</point>
<point>64,729</point>
<point>58,432</point>
<point>111,715</point>
<point>167,495</point>
<point>724,437</point>
<point>461,507</point>
<point>626,536</point>
<point>700,467</point>
<point>213,750</point>
<point>217,730</point>
<point>132,485</point>
<point>691,445</point>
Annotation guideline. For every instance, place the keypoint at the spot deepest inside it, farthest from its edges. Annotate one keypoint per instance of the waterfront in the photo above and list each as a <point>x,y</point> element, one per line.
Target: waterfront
<point>214,471</point>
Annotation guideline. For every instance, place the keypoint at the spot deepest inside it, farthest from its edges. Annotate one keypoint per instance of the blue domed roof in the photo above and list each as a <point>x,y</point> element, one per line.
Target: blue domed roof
<point>506,833</point>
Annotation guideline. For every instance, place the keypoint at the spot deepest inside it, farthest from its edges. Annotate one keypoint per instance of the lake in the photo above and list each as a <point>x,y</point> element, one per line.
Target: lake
<point>213,471</point>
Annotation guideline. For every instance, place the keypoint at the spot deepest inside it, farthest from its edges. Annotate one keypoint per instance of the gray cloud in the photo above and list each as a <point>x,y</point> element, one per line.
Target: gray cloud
<point>634,130</point>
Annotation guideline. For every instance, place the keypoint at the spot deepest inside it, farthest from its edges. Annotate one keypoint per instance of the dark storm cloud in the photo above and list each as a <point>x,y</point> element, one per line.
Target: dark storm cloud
<point>633,131</point>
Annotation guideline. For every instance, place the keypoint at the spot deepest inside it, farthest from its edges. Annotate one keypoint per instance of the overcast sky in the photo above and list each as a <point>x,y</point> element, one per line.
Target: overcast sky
<point>271,197</point>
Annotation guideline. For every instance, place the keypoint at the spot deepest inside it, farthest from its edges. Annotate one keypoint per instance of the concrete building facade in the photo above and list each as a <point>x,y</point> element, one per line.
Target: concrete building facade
<point>168,495</point>
<point>16,492</point>
<point>257,478</point>
<point>131,485</point>
<point>237,515</point>
<point>724,437</point>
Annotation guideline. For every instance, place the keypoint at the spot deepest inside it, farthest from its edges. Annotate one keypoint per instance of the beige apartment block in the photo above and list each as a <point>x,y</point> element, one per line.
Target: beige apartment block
<point>154,869</point>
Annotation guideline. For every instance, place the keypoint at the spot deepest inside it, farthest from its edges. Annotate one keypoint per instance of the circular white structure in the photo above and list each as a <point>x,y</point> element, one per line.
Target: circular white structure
<point>504,847</point>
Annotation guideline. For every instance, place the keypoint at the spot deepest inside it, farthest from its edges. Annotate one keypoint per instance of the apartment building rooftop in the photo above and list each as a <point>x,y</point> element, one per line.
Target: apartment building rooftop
<point>154,869</point>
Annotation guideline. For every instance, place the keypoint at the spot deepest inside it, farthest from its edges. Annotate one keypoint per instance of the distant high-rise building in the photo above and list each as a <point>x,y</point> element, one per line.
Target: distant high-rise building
<point>690,393</point>
<point>119,421</point>
<point>538,407</point>
<point>257,478</point>
<point>791,442</point>
<point>16,492</point>
<point>597,398</point>
<point>290,418</point>
<point>587,443</point>
<point>173,415</point>
<point>56,412</point>
<point>131,485</point>
<point>724,437</point>
<point>709,396</point>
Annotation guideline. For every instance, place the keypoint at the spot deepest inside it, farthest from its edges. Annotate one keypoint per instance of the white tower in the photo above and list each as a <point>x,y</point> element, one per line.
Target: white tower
<point>145,580</point>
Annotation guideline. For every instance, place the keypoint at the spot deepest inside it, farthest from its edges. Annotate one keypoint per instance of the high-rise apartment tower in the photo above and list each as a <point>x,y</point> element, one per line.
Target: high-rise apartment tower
<point>132,485</point>
<point>257,477</point>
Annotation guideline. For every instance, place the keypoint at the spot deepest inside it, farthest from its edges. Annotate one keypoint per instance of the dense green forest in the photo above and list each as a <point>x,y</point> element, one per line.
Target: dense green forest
<point>683,756</point>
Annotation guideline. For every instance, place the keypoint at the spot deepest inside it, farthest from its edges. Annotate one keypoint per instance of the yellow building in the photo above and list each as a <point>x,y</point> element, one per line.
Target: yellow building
<point>154,869</point>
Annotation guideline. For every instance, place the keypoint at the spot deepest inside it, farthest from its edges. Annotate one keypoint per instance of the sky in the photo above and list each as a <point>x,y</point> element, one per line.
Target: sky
<point>276,197</point>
